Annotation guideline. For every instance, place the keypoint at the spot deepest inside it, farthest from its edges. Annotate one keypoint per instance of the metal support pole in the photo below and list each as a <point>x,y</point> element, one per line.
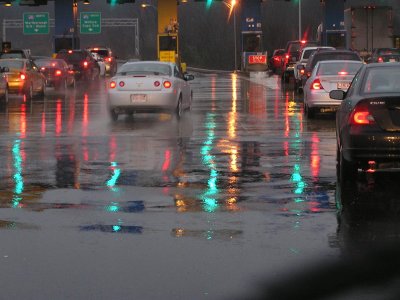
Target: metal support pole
<point>4,30</point>
<point>300,37</point>
<point>234,31</point>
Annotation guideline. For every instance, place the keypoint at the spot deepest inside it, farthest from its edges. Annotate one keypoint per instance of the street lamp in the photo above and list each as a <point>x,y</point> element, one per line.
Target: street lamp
<point>232,6</point>
<point>145,5</point>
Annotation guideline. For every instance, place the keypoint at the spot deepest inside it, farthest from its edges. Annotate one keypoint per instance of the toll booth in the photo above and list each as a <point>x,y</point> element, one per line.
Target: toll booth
<point>167,47</point>
<point>332,31</point>
<point>167,38</point>
<point>254,59</point>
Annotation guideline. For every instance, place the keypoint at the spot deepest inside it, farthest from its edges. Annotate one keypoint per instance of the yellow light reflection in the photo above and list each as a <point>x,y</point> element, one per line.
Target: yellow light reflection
<point>234,91</point>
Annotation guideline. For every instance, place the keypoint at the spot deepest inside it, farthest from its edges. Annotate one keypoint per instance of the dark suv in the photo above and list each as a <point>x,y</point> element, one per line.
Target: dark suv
<point>109,60</point>
<point>292,55</point>
<point>82,62</point>
<point>321,55</point>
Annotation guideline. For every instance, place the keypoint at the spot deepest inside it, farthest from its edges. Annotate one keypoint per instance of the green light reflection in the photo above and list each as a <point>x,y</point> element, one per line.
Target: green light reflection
<point>112,182</point>
<point>18,179</point>
<point>210,204</point>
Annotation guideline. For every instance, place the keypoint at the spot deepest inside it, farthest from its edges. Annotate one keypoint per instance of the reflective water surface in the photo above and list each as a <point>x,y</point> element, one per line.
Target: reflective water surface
<point>240,189</point>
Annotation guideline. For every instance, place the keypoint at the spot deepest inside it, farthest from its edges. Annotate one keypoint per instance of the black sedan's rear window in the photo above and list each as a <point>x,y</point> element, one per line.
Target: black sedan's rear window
<point>336,56</point>
<point>73,57</point>
<point>382,80</point>
<point>101,52</point>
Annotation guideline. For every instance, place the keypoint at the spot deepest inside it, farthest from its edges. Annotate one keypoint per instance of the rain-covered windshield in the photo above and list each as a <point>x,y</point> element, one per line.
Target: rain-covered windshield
<point>382,80</point>
<point>145,68</point>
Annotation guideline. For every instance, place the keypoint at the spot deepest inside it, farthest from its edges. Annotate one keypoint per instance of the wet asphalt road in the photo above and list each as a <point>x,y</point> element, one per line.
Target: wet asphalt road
<point>241,190</point>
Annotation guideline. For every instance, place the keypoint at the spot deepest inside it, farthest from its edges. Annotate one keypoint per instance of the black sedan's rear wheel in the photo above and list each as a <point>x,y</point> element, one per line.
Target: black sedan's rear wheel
<point>347,170</point>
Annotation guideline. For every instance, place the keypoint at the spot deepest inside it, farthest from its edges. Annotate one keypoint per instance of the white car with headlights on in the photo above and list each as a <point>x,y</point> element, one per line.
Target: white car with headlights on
<point>149,86</point>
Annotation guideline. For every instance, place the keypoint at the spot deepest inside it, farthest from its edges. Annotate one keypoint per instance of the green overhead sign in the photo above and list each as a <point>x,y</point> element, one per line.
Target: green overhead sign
<point>36,23</point>
<point>90,22</point>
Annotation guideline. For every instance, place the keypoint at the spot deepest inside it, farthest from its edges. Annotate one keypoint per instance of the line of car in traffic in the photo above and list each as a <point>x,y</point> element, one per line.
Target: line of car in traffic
<point>21,73</point>
<point>363,94</point>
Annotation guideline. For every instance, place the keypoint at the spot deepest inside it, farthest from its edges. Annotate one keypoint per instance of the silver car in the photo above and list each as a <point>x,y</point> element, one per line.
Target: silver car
<point>326,76</point>
<point>149,86</point>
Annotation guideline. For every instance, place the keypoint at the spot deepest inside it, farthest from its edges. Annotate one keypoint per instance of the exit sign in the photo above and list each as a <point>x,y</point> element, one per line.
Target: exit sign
<point>36,23</point>
<point>90,22</point>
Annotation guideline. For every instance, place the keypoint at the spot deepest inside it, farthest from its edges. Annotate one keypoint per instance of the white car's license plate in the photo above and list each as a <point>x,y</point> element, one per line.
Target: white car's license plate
<point>138,98</point>
<point>392,60</point>
<point>343,85</point>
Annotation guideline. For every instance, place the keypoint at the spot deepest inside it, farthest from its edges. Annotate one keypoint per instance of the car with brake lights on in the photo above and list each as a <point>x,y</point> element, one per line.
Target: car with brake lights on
<point>384,55</point>
<point>109,59</point>
<point>326,76</point>
<point>24,77</point>
<point>325,54</point>
<point>292,55</point>
<point>57,73</point>
<point>388,58</point>
<point>149,86</point>
<point>368,121</point>
<point>275,62</point>
<point>81,62</point>
<point>304,55</point>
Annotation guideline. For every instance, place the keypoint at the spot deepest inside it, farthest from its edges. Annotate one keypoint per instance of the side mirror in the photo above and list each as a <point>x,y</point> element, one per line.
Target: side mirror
<point>188,77</point>
<point>337,94</point>
<point>300,67</point>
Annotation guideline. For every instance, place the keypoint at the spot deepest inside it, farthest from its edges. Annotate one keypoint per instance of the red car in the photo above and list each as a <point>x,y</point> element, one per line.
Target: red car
<point>275,63</point>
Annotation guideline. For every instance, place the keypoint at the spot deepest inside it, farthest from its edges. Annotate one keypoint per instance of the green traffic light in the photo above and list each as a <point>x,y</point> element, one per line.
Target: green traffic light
<point>209,2</point>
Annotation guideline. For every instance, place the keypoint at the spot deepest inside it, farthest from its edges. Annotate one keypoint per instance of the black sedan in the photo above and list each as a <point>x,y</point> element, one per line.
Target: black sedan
<point>57,73</point>
<point>368,121</point>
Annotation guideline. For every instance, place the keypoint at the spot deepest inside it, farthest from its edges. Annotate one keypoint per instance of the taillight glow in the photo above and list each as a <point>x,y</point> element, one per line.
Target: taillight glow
<point>343,73</point>
<point>156,83</point>
<point>316,85</point>
<point>109,59</point>
<point>361,116</point>
<point>85,64</point>
<point>58,73</point>
<point>303,41</point>
<point>380,59</point>
<point>22,76</point>
<point>302,72</point>
<point>167,84</point>
<point>121,84</point>
<point>69,51</point>
<point>42,69</point>
<point>113,84</point>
